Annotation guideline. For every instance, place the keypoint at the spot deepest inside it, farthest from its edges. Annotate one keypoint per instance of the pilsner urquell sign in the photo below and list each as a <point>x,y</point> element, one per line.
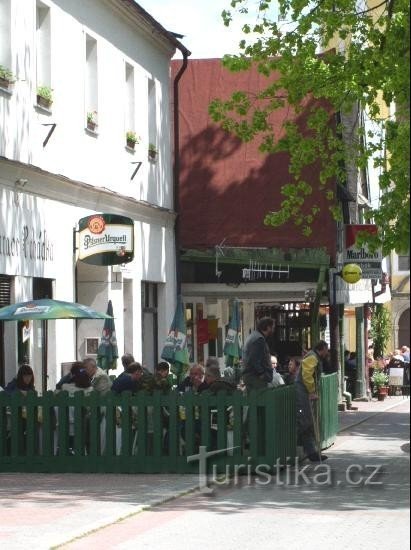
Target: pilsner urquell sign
<point>106,239</point>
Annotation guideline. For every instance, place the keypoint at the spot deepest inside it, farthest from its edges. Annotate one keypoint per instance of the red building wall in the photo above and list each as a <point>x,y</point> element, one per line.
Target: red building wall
<point>226,186</point>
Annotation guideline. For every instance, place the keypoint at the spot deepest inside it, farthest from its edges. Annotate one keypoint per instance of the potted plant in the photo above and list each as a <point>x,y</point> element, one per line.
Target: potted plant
<point>44,96</point>
<point>152,151</point>
<point>380,381</point>
<point>92,120</point>
<point>131,139</point>
<point>6,77</point>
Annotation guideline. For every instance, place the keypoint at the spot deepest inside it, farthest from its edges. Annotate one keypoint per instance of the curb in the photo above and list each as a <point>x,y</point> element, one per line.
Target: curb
<point>142,508</point>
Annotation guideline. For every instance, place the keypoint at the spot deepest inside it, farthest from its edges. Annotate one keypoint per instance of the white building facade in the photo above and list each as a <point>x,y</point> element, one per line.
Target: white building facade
<point>105,64</point>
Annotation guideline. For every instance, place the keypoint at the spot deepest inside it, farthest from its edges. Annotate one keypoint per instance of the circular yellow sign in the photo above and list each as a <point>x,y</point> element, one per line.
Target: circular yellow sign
<point>351,273</point>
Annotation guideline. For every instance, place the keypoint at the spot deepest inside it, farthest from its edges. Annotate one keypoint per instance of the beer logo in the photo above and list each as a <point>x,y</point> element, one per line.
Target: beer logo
<point>96,225</point>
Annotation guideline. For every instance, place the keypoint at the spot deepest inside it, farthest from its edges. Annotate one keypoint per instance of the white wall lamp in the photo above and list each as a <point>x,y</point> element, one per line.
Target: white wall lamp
<point>18,186</point>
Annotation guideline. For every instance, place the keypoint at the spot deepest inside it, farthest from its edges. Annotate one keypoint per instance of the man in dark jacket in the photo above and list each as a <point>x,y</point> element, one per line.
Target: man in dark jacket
<point>214,381</point>
<point>258,372</point>
<point>129,380</point>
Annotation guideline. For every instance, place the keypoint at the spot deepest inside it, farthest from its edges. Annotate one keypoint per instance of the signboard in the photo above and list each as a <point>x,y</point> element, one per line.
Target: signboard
<point>106,239</point>
<point>396,376</point>
<point>369,262</point>
<point>202,331</point>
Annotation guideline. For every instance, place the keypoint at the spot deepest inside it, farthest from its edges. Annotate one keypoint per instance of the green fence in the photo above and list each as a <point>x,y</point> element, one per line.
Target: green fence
<point>329,409</point>
<point>150,433</point>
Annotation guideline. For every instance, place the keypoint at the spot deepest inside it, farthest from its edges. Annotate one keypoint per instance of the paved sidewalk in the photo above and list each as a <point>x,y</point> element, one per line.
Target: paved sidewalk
<point>366,409</point>
<point>42,511</point>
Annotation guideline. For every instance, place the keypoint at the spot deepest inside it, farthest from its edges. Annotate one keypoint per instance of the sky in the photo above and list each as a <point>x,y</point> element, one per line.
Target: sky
<point>200,22</point>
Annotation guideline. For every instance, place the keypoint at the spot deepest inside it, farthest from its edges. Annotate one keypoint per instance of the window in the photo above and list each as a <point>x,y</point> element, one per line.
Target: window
<point>149,306</point>
<point>130,99</point>
<point>5,35</point>
<point>91,79</point>
<point>152,112</point>
<point>5,295</point>
<point>403,262</point>
<point>43,48</point>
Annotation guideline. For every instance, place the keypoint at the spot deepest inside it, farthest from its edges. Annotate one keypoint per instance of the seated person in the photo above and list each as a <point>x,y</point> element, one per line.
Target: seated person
<point>126,360</point>
<point>215,382</point>
<point>23,382</point>
<point>161,377</point>
<point>68,378</point>
<point>100,380</point>
<point>293,368</point>
<point>80,381</point>
<point>277,378</point>
<point>194,381</point>
<point>129,379</point>
<point>351,363</point>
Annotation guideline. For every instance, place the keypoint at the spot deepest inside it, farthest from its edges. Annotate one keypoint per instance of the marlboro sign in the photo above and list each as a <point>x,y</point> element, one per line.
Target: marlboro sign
<point>369,262</point>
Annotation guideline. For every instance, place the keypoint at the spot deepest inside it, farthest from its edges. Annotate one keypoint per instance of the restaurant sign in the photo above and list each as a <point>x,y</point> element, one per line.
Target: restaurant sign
<point>369,262</point>
<point>106,239</point>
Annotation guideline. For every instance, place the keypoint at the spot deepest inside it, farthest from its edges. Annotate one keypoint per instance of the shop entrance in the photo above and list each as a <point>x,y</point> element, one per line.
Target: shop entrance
<point>5,293</point>
<point>42,288</point>
<point>292,328</point>
<point>149,303</point>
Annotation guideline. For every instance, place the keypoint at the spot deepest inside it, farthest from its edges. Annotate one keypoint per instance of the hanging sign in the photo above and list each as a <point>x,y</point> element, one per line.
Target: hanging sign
<point>369,262</point>
<point>351,273</point>
<point>202,331</point>
<point>106,239</point>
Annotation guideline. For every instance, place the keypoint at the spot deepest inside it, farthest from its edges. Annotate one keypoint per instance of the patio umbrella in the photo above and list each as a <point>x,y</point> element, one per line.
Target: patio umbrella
<point>46,309</point>
<point>175,347</point>
<point>107,353</point>
<point>233,344</point>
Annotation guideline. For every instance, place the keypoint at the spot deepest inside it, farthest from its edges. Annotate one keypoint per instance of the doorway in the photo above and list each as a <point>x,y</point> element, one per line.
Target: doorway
<point>5,293</point>
<point>149,309</point>
<point>42,288</point>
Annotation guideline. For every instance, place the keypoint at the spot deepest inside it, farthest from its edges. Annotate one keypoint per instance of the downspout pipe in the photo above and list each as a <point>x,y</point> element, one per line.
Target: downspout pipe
<point>176,170</point>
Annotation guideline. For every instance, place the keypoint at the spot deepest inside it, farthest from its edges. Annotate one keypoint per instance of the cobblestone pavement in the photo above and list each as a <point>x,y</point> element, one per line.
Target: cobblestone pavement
<point>331,506</point>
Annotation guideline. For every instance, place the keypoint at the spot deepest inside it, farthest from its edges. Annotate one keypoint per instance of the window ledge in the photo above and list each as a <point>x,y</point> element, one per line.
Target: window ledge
<point>6,91</point>
<point>93,133</point>
<point>42,109</point>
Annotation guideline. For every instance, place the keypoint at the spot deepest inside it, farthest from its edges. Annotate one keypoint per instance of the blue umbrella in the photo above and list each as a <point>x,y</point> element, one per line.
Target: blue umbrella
<point>175,349</point>
<point>233,343</point>
<point>107,353</point>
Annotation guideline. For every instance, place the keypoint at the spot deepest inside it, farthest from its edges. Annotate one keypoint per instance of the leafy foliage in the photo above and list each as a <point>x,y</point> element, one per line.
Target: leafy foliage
<point>132,137</point>
<point>364,71</point>
<point>6,74</point>
<point>379,379</point>
<point>380,333</point>
<point>92,117</point>
<point>45,92</point>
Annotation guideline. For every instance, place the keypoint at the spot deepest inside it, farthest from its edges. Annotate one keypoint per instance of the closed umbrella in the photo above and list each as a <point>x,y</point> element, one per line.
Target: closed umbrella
<point>175,349</point>
<point>233,343</point>
<point>107,353</point>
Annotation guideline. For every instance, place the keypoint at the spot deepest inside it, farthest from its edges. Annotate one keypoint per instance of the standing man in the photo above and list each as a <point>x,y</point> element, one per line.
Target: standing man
<point>307,395</point>
<point>258,372</point>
